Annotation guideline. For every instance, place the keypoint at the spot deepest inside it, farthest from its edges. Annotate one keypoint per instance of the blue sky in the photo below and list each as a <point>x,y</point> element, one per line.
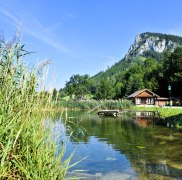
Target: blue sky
<point>85,36</point>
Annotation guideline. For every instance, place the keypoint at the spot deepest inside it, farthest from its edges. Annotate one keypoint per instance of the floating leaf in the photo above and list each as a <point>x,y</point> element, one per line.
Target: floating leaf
<point>162,142</point>
<point>141,147</point>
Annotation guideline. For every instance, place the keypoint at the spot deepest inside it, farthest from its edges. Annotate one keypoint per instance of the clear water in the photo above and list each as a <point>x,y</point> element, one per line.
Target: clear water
<point>124,147</point>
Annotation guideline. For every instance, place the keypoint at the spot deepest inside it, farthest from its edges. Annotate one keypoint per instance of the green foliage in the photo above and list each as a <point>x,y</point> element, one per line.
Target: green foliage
<point>105,90</point>
<point>153,54</point>
<point>116,69</point>
<point>173,70</point>
<point>139,76</point>
<point>119,89</point>
<point>167,37</point>
<point>78,85</point>
<point>54,94</point>
<point>27,149</point>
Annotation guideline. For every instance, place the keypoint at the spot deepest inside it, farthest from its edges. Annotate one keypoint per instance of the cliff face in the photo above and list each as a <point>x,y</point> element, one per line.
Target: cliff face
<point>155,42</point>
<point>146,45</point>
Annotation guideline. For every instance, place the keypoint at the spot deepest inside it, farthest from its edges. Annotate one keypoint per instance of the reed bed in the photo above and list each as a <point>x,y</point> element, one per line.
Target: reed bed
<point>95,105</point>
<point>27,150</point>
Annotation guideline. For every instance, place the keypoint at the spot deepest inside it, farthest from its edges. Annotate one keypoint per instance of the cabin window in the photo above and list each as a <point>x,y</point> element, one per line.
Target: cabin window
<point>152,100</point>
<point>138,101</point>
<point>148,101</point>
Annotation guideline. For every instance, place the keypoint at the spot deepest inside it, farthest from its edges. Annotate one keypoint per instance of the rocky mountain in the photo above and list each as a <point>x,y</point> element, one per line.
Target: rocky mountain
<point>147,44</point>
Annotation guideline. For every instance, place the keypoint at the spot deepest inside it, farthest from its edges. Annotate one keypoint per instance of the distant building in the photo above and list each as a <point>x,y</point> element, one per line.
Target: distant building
<point>147,97</point>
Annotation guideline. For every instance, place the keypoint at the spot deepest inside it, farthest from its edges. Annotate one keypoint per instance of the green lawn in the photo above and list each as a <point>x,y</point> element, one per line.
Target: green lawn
<point>163,112</point>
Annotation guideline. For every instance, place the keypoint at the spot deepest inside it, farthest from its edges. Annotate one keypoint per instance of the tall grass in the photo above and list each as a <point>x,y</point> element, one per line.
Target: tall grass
<point>26,147</point>
<point>93,104</point>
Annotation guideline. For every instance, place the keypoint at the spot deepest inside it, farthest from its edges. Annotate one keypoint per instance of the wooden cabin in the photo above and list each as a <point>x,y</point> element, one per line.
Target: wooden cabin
<point>147,97</point>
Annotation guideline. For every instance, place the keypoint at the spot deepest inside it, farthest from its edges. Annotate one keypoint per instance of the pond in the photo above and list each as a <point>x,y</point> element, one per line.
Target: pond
<point>131,146</point>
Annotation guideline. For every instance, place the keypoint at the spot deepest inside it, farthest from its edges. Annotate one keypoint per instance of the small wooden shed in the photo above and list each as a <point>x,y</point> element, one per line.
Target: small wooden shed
<point>162,101</point>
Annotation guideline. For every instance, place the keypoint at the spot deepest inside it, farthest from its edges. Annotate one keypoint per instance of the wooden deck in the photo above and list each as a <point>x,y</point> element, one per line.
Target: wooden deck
<point>138,113</point>
<point>108,113</point>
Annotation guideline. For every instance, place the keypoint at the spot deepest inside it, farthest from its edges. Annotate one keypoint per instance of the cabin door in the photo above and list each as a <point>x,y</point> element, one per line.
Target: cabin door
<point>143,100</point>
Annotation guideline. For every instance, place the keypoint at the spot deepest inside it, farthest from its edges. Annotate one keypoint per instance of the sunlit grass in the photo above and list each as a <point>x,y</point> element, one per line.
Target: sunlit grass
<point>170,116</point>
<point>163,112</point>
<point>27,150</point>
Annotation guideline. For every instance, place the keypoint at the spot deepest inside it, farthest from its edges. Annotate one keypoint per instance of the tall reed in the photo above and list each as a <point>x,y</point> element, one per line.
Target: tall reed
<point>95,105</point>
<point>27,150</point>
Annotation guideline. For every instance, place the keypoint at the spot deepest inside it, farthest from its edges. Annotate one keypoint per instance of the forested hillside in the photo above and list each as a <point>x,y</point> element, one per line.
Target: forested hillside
<point>153,61</point>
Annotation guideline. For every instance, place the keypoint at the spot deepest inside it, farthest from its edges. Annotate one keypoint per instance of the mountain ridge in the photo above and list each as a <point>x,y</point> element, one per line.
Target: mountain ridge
<point>156,42</point>
<point>146,45</point>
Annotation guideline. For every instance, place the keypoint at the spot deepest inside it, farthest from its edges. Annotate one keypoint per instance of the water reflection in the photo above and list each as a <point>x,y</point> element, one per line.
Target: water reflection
<point>129,145</point>
<point>144,119</point>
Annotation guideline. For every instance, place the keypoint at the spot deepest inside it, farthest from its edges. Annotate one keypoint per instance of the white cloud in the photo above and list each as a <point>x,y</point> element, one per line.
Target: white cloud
<point>32,27</point>
<point>12,17</point>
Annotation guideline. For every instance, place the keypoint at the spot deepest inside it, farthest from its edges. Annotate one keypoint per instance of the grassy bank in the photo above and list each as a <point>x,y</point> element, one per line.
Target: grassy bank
<point>171,116</point>
<point>164,112</point>
<point>27,150</point>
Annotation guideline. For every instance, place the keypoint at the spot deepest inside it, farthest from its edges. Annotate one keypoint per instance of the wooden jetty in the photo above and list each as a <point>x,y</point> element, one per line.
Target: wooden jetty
<point>108,113</point>
<point>138,113</point>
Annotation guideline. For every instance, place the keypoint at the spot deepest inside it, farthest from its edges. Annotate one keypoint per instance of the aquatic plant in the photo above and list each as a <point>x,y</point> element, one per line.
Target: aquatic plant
<point>27,150</point>
<point>94,105</point>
